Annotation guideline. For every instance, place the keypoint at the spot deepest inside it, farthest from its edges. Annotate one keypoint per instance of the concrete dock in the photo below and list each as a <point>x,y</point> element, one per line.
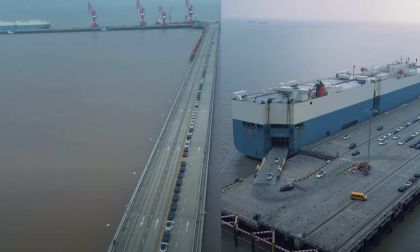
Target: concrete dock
<point>144,220</point>
<point>195,25</point>
<point>318,213</point>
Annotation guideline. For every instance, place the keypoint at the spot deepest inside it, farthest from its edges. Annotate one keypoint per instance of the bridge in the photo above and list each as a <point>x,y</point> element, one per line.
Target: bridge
<point>165,190</point>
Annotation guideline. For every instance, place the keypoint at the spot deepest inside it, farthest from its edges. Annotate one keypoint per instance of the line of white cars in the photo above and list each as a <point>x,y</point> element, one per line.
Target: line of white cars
<point>395,136</point>
<point>170,221</point>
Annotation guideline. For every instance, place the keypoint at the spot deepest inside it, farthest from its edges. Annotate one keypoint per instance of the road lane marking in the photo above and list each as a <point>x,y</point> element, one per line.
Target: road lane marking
<point>142,220</point>
<point>176,244</point>
<point>188,223</point>
<point>157,221</point>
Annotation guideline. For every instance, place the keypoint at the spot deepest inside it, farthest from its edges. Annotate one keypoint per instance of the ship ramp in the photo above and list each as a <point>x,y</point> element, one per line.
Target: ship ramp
<point>272,164</point>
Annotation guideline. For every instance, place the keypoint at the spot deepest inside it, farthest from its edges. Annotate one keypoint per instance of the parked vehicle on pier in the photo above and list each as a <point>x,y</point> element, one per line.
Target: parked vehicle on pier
<point>288,187</point>
<point>358,196</point>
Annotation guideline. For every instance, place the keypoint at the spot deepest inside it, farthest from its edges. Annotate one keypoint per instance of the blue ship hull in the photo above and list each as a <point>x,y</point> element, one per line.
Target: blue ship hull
<point>258,141</point>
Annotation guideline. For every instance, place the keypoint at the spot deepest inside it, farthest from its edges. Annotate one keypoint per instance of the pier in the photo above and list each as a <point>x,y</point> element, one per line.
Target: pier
<point>195,25</point>
<point>173,184</point>
<point>318,214</point>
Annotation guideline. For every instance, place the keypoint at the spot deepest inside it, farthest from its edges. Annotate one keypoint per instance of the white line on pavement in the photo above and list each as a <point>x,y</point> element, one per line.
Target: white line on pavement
<point>157,220</point>
<point>188,223</point>
<point>142,220</point>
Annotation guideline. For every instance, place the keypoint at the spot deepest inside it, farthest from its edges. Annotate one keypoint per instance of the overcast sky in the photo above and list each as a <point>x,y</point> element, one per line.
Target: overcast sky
<point>390,11</point>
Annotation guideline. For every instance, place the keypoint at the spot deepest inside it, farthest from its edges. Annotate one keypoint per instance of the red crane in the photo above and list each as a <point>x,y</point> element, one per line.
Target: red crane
<point>141,11</point>
<point>190,11</point>
<point>92,13</point>
<point>162,15</point>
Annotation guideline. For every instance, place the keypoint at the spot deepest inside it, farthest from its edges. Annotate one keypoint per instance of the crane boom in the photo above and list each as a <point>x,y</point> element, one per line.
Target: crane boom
<point>92,13</point>
<point>163,16</point>
<point>190,11</point>
<point>140,8</point>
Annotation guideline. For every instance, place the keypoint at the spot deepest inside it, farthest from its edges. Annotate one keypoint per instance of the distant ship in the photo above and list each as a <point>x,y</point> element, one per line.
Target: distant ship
<point>24,25</point>
<point>295,114</point>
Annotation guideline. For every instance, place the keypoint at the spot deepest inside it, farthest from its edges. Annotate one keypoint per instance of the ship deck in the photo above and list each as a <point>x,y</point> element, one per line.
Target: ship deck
<point>319,211</point>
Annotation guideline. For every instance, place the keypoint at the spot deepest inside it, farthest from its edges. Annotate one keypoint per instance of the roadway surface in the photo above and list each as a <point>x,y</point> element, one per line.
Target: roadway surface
<point>319,210</point>
<point>143,223</point>
<point>188,222</point>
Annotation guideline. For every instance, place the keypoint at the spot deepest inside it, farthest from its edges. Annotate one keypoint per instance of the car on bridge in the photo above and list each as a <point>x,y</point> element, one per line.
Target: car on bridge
<point>169,225</point>
<point>163,246</point>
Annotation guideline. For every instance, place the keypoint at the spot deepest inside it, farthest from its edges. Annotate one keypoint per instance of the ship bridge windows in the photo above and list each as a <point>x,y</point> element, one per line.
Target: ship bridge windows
<point>299,125</point>
<point>251,128</point>
<point>280,141</point>
<point>279,126</point>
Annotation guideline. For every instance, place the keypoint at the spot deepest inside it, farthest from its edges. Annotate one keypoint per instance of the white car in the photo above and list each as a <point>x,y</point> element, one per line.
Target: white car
<point>345,137</point>
<point>169,225</point>
<point>396,137</point>
<point>320,174</point>
<point>382,143</point>
<point>401,143</point>
<point>277,160</point>
<point>163,246</point>
<point>389,134</point>
<point>417,132</point>
<point>381,139</point>
<point>269,176</point>
<point>408,183</point>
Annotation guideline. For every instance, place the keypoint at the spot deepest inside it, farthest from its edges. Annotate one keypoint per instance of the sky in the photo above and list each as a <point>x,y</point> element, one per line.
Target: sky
<point>383,11</point>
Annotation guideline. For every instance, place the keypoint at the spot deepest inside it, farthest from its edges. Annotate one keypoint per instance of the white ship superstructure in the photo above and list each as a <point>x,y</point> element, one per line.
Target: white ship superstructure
<point>23,25</point>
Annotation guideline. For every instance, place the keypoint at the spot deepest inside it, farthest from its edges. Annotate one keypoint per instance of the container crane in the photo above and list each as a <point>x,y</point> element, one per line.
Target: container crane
<point>190,11</point>
<point>163,16</point>
<point>92,13</point>
<point>140,8</point>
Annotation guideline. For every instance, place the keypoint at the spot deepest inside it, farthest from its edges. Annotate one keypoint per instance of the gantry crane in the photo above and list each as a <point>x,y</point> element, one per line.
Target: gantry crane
<point>140,8</point>
<point>190,11</point>
<point>162,16</point>
<point>92,13</point>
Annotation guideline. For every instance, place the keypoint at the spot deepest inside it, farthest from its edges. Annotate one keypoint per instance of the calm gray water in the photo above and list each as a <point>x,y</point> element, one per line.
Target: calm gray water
<point>256,56</point>
<point>79,113</point>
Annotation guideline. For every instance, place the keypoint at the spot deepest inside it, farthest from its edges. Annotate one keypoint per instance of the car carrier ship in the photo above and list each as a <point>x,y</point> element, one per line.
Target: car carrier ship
<point>24,25</point>
<point>294,114</point>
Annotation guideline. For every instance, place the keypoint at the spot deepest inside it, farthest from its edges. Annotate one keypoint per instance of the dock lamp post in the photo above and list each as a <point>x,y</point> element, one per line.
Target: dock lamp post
<point>371,111</point>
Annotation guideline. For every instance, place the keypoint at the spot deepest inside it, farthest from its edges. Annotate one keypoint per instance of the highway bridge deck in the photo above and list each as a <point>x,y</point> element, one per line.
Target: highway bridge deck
<point>143,223</point>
